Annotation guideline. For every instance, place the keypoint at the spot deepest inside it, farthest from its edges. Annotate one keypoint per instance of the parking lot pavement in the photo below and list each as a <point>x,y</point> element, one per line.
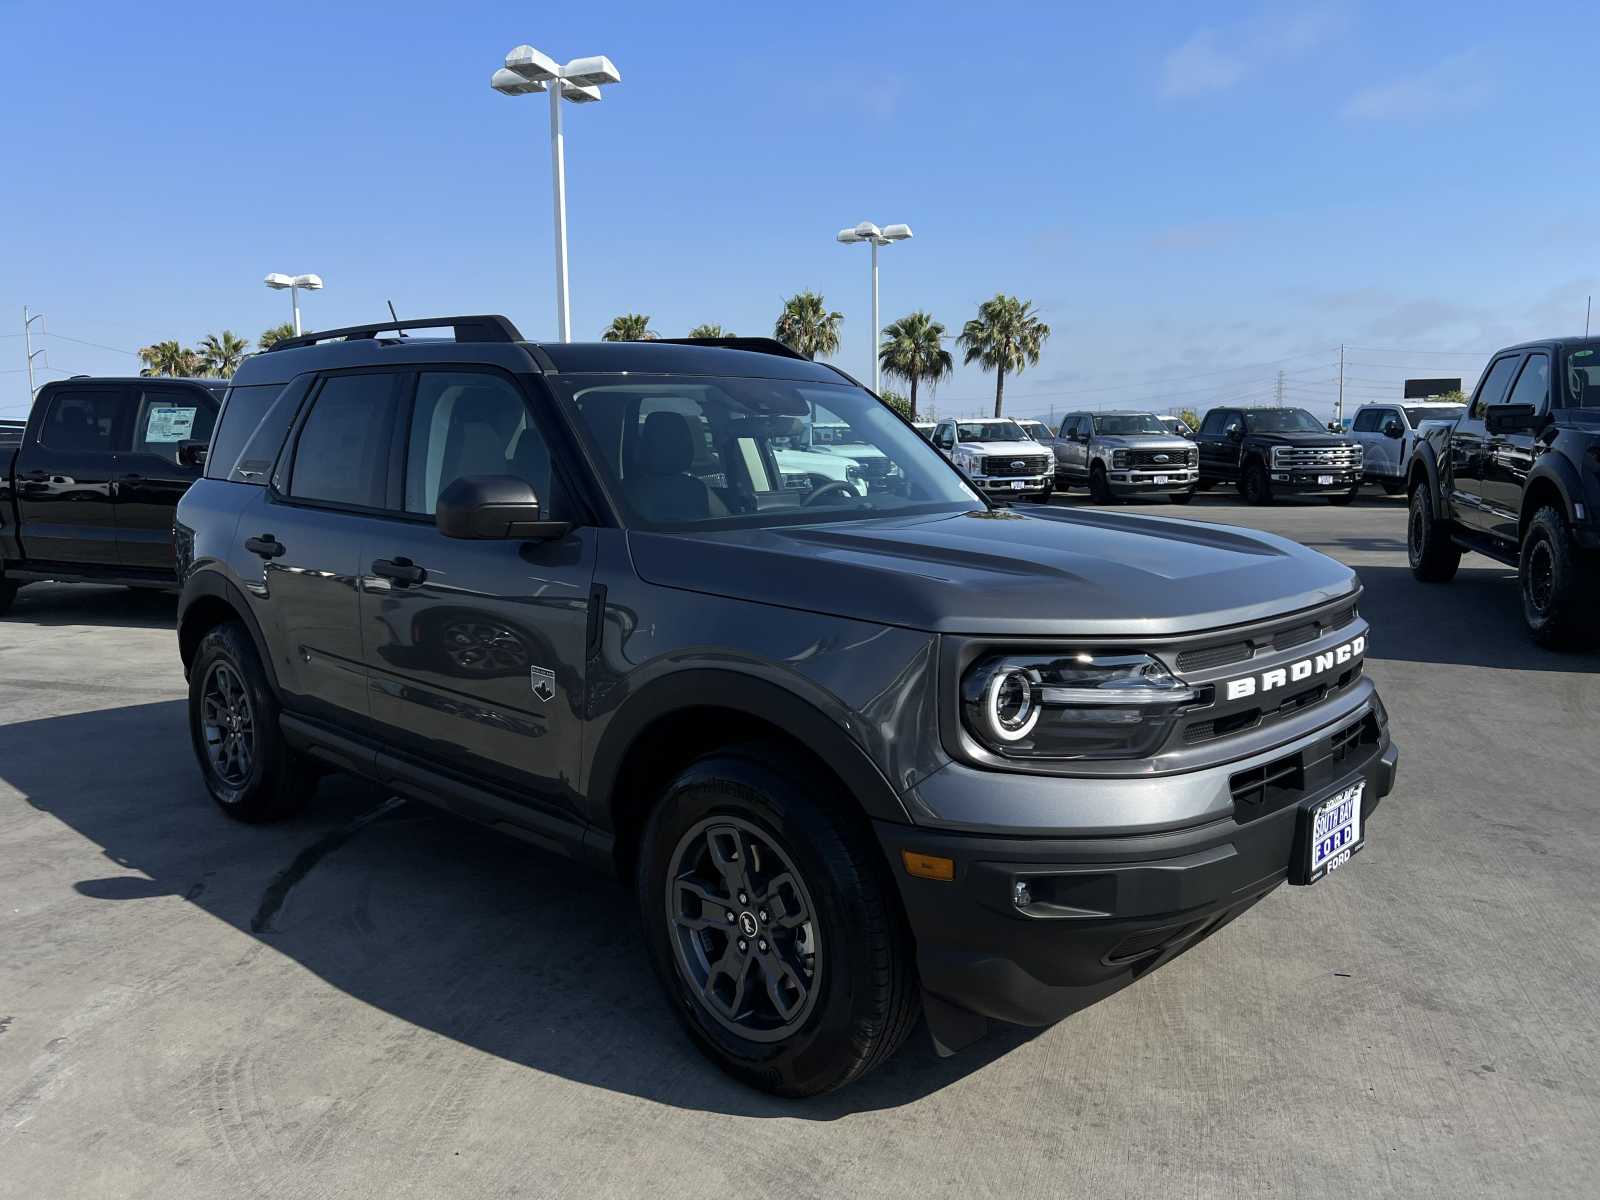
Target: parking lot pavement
<point>389,1003</point>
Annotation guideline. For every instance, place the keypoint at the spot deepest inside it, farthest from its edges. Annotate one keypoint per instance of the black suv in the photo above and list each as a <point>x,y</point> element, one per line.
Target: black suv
<point>858,751</point>
<point>1517,477</point>
<point>1271,452</point>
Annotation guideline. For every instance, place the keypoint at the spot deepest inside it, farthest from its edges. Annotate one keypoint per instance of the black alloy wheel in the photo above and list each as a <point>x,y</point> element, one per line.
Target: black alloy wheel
<point>228,724</point>
<point>1559,585</point>
<point>1099,485</point>
<point>1434,557</point>
<point>1257,487</point>
<point>745,930</point>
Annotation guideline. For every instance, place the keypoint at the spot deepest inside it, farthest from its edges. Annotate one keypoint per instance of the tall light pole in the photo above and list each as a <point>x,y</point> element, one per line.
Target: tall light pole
<point>311,283</point>
<point>868,232</point>
<point>27,344</point>
<point>526,71</point>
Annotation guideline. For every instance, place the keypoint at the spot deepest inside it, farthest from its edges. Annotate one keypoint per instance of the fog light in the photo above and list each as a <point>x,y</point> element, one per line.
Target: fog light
<point>1020,895</point>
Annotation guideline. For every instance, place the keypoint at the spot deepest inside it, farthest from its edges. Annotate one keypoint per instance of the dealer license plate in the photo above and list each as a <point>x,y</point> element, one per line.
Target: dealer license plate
<point>1017,485</point>
<point>1335,831</point>
<point>1161,479</point>
<point>1324,480</point>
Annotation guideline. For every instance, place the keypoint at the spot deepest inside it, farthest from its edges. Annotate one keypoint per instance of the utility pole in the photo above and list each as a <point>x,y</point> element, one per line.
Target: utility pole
<point>1338,414</point>
<point>27,344</point>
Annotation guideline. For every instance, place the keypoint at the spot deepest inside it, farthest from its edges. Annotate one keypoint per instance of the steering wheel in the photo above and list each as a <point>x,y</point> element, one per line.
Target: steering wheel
<point>836,485</point>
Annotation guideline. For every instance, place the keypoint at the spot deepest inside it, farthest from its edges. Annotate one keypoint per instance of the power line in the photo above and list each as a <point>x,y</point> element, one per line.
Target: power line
<point>96,345</point>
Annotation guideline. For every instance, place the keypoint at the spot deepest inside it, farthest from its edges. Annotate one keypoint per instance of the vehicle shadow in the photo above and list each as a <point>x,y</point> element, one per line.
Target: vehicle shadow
<point>454,928</point>
<point>93,604</point>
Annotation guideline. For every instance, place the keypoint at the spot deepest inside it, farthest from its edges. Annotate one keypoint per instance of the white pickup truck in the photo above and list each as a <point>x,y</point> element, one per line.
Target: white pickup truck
<point>1389,433</point>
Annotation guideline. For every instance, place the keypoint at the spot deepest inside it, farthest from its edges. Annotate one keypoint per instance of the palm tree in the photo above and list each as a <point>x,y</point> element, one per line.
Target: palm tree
<point>169,358</point>
<point>629,327</point>
<point>913,349</point>
<point>1005,336</point>
<point>270,337</point>
<point>220,355</point>
<point>710,331</point>
<point>806,326</point>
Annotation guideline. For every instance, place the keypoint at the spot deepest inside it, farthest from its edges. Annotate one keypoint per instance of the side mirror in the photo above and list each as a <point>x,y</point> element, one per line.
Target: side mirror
<point>1394,430</point>
<point>494,507</point>
<point>192,453</point>
<point>1510,418</point>
<point>1235,433</point>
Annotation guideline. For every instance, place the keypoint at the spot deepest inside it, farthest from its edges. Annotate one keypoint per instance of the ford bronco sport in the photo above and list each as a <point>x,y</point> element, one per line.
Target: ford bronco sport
<point>859,752</point>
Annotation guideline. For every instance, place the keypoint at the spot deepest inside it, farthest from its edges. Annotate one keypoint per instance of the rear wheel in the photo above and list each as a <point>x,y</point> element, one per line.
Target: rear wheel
<point>1180,497</point>
<point>771,922</point>
<point>1434,557</point>
<point>1257,488</point>
<point>1558,585</point>
<point>248,768</point>
<point>1099,485</point>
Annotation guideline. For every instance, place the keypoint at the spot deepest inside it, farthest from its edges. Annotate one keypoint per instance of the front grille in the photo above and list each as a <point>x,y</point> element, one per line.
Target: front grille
<point>1310,458</point>
<point>1300,634</point>
<point>1237,722</point>
<point>872,468</point>
<point>1207,657</point>
<point>1007,465</point>
<point>1260,790</point>
<point>1214,656</point>
<point>1163,458</point>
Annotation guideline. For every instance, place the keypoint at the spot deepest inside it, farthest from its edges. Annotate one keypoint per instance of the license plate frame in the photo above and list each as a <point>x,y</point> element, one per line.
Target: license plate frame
<point>1328,833</point>
<point>1324,480</point>
<point>1017,485</point>
<point>1159,480</point>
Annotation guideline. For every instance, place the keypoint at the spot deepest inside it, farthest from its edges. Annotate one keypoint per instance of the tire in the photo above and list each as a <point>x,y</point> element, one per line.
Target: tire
<point>1558,585</point>
<point>1344,498</point>
<point>248,768</point>
<point>1202,485</point>
<point>1180,497</point>
<point>1434,557</point>
<point>8,593</point>
<point>1099,485</point>
<point>1255,486</point>
<point>859,998</point>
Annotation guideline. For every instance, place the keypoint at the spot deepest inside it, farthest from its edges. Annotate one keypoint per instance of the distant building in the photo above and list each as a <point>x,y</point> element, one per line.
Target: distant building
<point>1421,389</point>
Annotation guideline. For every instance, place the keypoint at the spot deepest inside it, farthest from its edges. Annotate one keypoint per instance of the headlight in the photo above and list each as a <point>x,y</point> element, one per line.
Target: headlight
<point>853,472</point>
<point>1073,704</point>
<point>1119,458</point>
<point>1361,453</point>
<point>1277,455</point>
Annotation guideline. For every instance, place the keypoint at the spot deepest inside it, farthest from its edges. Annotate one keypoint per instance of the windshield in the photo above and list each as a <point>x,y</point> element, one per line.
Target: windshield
<point>990,431</point>
<point>1434,412</point>
<point>1283,420</point>
<point>1037,430</point>
<point>1121,425</point>
<point>682,451</point>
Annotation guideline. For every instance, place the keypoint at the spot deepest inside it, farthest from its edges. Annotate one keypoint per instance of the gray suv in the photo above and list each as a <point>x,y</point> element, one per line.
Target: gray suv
<point>859,753</point>
<point>1123,454</point>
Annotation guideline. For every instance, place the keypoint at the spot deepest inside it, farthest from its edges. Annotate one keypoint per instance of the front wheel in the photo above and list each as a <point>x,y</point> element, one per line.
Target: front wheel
<point>8,593</point>
<point>1393,487</point>
<point>1344,498</point>
<point>1099,485</point>
<point>772,925</point>
<point>1558,585</point>
<point>1256,486</point>
<point>1434,557</point>
<point>1180,497</point>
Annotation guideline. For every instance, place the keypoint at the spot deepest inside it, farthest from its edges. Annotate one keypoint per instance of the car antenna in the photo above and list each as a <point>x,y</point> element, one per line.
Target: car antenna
<point>394,315</point>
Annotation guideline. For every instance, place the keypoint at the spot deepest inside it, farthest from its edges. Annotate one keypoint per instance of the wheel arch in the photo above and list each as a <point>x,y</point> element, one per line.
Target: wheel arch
<point>1548,485</point>
<point>683,716</point>
<point>209,600</point>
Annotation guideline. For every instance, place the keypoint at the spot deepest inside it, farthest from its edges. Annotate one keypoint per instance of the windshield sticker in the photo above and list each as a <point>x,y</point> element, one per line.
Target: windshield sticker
<point>169,424</point>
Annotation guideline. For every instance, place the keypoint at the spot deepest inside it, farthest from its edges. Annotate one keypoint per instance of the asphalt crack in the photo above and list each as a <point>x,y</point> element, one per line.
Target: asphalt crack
<point>283,883</point>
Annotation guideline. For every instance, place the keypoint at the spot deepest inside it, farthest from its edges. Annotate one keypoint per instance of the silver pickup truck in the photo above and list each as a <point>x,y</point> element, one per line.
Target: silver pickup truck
<point>1121,454</point>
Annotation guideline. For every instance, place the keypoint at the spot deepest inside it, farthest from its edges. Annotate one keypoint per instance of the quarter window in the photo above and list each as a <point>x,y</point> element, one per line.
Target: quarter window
<point>469,423</point>
<point>342,453</point>
<point>83,419</point>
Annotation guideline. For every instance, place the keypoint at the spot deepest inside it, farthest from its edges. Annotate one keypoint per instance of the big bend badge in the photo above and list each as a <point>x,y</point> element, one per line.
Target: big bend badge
<point>544,683</point>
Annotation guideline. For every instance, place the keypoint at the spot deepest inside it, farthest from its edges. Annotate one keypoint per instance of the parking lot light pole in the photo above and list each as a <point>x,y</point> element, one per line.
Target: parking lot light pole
<point>527,71</point>
<point>293,284</point>
<point>868,232</point>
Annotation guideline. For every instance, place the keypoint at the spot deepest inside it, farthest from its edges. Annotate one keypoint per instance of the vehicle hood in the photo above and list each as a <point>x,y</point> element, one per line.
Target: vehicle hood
<point>1145,441</point>
<point>1309,440</point>
<point>997,448</point>
<point>1054,573</point>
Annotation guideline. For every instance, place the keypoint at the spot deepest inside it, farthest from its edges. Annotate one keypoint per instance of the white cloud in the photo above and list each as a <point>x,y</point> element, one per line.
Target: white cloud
<point>1458,84</point>
<point>1214,60</point>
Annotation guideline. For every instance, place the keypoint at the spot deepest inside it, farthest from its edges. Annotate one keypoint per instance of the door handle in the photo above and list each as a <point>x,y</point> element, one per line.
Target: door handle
<point>266,546</point>
<point>133,475</point>
<point>401,570</point>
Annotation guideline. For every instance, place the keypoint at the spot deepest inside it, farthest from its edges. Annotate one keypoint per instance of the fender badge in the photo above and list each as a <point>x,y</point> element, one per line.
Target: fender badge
<point>543,682</point>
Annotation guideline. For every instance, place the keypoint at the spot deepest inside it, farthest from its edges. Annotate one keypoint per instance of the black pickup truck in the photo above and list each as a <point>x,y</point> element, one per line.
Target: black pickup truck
<point>1269,452</point>
<point>88,490</point>
<point>1517,478</point>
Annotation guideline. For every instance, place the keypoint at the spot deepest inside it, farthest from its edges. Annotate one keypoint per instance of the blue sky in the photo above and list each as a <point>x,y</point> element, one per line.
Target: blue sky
<point>1195,196</point>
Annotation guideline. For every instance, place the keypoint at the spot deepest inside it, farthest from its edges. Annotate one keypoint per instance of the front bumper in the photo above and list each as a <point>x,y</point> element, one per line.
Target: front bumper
<point>1002,486</point>
<point>1310,482</point>
<point>1145,480</point>
<point>1101,910</point>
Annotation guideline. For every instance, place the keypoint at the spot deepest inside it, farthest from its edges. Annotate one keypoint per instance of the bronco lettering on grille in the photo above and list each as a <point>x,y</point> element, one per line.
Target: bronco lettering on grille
<point>1295,672</point>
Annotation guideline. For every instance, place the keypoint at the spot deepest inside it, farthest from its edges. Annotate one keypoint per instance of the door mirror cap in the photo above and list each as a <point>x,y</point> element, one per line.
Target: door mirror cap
<point>494,507</point>
<point>1510,418</point>
<point>1394,430</point>
<point>192,453</point>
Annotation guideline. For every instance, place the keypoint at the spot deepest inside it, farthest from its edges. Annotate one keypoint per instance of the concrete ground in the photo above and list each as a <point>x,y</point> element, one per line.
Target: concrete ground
<point>398,1005</point>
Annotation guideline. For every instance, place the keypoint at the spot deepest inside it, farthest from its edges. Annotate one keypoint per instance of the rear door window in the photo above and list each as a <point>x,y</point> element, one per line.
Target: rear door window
<point>342,453</point>
<point>466,423</point>
<point>84,419</point>
<point>167,416</point>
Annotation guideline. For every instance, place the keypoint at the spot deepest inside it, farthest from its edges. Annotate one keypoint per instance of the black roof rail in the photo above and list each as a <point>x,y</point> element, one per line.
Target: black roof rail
<point>483,328</point>
<point>756,345</point>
